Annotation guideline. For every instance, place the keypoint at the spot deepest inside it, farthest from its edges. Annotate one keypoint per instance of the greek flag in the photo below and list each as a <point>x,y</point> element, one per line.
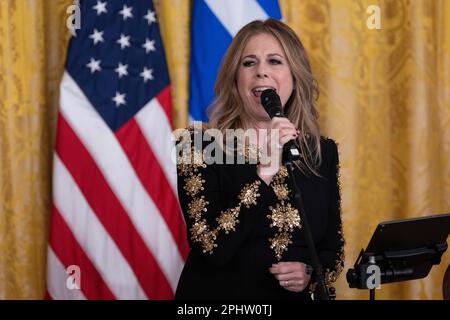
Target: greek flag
<point>214,24</point>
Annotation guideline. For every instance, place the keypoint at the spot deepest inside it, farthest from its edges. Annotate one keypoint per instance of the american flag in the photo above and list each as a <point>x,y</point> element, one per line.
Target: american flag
<point>116,222</point>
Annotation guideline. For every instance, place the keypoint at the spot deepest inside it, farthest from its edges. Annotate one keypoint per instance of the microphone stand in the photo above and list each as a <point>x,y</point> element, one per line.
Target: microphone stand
<point>322,293</point>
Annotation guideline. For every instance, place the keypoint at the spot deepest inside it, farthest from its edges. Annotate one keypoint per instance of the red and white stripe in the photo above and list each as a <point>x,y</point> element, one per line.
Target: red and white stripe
<point>115,209</point>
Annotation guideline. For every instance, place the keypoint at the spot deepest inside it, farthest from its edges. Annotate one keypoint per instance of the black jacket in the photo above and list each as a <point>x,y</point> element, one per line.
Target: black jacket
<point>229,210</point>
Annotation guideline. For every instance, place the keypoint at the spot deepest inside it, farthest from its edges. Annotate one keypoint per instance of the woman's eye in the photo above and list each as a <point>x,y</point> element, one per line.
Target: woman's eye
<point>248,63</point>
<point>274,61</point>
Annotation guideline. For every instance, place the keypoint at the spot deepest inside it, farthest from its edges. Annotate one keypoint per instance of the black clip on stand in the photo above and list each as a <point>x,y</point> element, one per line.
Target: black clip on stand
<point>289,156</point>
<point>359,273</point>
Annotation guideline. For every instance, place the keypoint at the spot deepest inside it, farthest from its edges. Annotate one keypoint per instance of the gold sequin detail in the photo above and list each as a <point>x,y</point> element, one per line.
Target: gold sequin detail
<point>331,274</point>
<point>280,243</point>
<point>190,162</point>
<point>228,220</point>
<point>197,207</point>
<point>189,158</point>
<point>281,174</point>
<point>283,216</point>
<point>252,151</point>
<point>194,184</point>
<point>249,194</point>
<point>279,185</point>
<point>201,234</point>
<point>281,191</point>
<point>189,165</point>
<point>183,166</point>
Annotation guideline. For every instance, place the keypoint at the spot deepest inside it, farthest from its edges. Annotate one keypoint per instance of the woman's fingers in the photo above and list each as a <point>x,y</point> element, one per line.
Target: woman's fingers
<point>286,138</point>
<point>283,136</point>
<point>293,285</point>
<point>292,276</point>
<point>282,131</point>
<point>279,122</point>
<point>286,267</point>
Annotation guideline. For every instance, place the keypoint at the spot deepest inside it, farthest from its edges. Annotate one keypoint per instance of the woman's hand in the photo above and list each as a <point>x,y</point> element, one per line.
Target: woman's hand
<point>281,130</point>
<point>293,276</point>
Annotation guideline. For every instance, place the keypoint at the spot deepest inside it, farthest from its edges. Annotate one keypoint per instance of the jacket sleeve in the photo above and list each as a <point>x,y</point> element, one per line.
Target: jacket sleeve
<point>216,228</point>
<point>331,247</point>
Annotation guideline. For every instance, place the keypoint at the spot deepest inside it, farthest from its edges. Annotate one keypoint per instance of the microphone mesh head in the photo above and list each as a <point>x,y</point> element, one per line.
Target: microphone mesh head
<point>271,102</point>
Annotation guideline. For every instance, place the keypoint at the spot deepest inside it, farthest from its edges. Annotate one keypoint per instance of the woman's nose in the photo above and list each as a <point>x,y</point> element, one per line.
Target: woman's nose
<point>261,71</point>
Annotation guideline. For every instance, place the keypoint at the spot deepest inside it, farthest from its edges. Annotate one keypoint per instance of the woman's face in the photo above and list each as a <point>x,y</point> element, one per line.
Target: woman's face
<point>263,65</point>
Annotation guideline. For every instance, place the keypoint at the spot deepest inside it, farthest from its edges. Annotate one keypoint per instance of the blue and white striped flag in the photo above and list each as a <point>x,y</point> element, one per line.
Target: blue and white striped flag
<point>214,24</point>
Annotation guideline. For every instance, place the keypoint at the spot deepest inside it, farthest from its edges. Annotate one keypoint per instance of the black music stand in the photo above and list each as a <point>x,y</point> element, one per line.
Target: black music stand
<point>403,250</point>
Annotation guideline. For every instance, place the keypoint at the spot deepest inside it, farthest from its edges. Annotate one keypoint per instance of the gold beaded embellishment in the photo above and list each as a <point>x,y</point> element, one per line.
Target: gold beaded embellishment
<point>189,166</point>
<point>283,216</point>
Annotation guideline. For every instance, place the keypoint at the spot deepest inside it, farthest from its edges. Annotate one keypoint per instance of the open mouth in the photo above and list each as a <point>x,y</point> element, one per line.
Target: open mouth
<point>258,90</point>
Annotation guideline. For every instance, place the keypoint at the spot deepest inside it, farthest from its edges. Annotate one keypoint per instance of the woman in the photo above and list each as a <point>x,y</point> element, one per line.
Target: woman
<point>245,233</point>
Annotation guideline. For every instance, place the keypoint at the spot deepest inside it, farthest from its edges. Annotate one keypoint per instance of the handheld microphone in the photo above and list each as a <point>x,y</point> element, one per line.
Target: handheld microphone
<point>271,102</point>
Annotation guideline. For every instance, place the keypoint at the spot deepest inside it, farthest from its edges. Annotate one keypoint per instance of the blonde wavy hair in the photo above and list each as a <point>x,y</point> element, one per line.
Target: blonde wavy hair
<point>228,110</point>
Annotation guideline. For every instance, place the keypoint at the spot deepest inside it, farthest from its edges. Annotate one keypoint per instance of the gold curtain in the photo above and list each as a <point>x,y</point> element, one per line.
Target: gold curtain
<point>174,16</point>
<point>33,41</point>
<point>385,97</point>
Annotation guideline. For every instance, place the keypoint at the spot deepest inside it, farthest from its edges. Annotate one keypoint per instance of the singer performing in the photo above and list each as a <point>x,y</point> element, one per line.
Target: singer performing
<point>245,231</point>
